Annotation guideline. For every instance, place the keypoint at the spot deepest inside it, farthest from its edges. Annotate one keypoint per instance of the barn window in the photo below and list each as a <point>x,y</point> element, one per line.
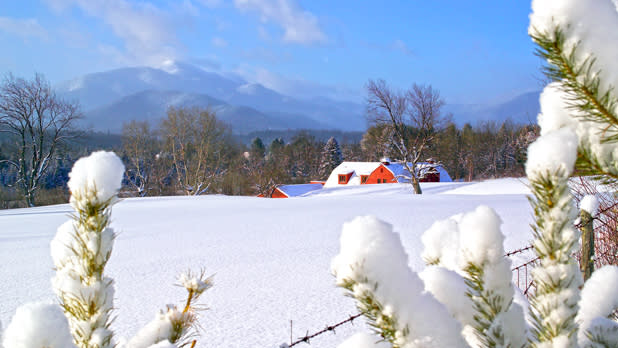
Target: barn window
<point>364,179</point>
<point>343,178</point>
<point>381,170</point>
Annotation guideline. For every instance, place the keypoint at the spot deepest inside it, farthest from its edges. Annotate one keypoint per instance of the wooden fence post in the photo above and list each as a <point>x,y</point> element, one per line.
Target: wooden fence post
<point>587,255</point>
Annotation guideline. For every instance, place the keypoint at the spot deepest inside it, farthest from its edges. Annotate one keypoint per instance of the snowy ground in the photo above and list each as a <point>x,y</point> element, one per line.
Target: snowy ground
<point>271,257</point>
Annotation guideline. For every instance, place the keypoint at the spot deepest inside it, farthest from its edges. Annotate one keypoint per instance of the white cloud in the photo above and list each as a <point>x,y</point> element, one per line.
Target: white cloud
<point>188,8</point>
<point>147,32</point>
<point>113,54</point>
<point>299,26</point>
<point>73,37</point>
<point>219,42</point>
<point>399,45</point>
<point>24,28</point>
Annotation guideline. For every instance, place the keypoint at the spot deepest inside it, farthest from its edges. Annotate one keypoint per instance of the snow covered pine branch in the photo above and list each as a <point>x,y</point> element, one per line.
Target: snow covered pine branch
<point>80,251</point>
<point>465,296</point>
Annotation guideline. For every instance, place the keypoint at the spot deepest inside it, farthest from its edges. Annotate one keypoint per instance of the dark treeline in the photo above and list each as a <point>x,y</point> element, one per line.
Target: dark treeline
<point>192,153</point>
<point>487,150</point>
<point>323,135</point>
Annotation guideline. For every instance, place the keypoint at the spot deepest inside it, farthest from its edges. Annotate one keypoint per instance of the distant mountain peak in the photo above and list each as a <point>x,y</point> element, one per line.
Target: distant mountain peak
<point>75,84</point>
<point>250,88</point>
<point>169,66</point>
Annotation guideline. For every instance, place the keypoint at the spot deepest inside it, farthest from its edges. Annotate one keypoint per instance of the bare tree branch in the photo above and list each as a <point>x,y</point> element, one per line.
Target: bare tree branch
<point>195,139</point>
<point>412,118</point>
<point>38,120</point>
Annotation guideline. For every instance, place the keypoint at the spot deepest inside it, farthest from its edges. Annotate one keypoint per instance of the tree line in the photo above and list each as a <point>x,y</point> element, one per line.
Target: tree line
<point>192,152</point>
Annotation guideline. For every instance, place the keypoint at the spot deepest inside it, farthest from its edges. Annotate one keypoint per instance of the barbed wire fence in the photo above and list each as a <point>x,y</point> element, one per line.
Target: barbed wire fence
<point>308,337</point>
<point>521,271</point>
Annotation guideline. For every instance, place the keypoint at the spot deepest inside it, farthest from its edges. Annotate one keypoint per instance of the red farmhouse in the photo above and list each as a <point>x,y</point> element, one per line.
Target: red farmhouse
<point>362,173</point>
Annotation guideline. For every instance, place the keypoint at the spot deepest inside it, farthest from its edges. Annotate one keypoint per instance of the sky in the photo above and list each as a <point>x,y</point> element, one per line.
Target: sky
<point>471,51</point>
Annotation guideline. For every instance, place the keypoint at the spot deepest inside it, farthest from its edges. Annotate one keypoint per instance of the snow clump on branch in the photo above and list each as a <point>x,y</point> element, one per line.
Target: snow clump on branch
<point>598,301</point>
<point>363,340</point>
<point>98,175</point>
<point>38,325</point>
<point>373,266</point>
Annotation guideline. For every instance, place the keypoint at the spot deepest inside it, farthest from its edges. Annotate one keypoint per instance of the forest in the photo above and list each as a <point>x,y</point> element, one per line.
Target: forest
<point>252,165</point>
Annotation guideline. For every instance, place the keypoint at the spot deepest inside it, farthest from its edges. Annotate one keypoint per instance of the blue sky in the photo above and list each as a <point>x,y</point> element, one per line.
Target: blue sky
<point>472,51</point>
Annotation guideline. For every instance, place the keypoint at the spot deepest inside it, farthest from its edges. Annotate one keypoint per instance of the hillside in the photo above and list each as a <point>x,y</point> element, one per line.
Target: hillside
<point>152,105</point>
<point>112,97</point>
<point>115,96</point>
<point>271,258</point>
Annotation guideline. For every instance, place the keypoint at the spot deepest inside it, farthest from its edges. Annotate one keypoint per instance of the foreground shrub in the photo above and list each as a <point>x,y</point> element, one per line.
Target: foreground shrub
<point>80,251</point>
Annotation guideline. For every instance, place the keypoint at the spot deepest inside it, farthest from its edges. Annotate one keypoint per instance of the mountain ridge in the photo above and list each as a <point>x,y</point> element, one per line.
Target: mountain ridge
<point>112,97</point>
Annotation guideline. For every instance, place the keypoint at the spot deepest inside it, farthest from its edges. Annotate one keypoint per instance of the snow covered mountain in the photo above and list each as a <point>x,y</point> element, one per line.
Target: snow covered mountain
<point>151,105</point>
<point>112,97</point>
<point>103,88</point>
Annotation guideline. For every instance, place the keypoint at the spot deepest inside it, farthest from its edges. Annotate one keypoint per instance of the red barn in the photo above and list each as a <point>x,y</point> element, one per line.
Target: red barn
<point>362,173</point>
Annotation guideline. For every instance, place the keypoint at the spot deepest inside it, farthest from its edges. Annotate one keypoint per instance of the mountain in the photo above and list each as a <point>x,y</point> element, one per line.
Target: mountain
<point>99,89</point>
<point>112,97</point>
<point>151,105</point>
<point>521,109</point>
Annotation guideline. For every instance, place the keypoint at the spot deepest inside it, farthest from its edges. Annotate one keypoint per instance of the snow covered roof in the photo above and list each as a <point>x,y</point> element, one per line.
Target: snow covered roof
<point>298,190</point>
<point>365,168</point>
<point>357,168</point>
<point>399,170</point>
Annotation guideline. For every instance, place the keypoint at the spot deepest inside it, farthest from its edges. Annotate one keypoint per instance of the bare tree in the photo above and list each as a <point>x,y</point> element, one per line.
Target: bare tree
<point>412,117</point>
<point>141,148</point>
<point>39,121</point>
<point>195,139</point>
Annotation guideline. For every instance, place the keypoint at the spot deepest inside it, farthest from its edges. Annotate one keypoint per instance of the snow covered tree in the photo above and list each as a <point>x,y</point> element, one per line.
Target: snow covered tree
<point>83,246</point>
<point>142,149</point>
<point>38,122</point>
<point>80,251</point>
<point>411,119</point>
<point>579,130</point>
<point>331,158</point>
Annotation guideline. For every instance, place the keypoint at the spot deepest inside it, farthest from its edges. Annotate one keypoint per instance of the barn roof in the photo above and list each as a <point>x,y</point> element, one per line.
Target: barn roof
<point>298,190</point>
<point>357,168</point>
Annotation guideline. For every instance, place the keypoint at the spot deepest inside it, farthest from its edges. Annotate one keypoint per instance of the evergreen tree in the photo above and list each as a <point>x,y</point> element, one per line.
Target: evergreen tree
<point>331,158</point>
<point>275,151</point>
<point>258,150</point>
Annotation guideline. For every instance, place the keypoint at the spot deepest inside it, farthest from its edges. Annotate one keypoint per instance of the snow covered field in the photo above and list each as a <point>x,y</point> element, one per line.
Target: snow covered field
<point>271,257</point>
